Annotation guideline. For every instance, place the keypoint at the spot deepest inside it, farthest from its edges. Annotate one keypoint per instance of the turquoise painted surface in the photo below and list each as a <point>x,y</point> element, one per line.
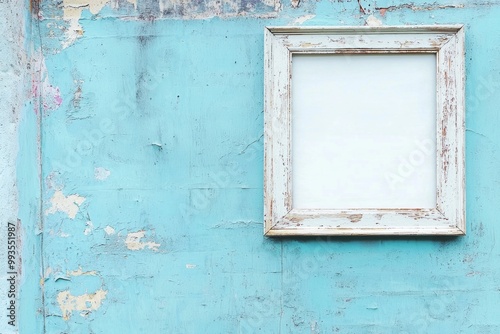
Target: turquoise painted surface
<point>19,177</point>
<point>152,184</point>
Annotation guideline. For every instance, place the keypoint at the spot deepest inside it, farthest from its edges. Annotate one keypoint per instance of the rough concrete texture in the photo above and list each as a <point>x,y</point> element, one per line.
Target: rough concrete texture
<point>12,71</point>
<point>152,180</point>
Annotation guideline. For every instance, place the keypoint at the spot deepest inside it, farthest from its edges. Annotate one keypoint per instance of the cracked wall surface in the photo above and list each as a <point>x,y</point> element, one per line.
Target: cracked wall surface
<point>151,179</point>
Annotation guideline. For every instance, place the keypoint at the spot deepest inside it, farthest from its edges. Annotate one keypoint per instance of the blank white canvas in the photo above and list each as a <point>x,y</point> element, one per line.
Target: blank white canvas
<point>364,131</point>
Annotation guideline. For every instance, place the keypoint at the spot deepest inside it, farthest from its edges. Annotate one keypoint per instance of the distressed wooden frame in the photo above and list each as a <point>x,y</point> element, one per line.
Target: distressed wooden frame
<point>448,217</point>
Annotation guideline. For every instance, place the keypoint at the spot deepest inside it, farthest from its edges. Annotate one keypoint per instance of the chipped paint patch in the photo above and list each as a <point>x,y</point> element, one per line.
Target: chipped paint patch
<point>187,9</point>
<point>109,230</point>
<point>372,21</point>
<point>84,303</point>
<point>69,205</point>
<point>72,9</point>
<point>133,241</point>
<point>47,272</point>
<point>80,272</point>
<point>190,266</point>
<point>417,8</point>
<point>300,20</point>
<point>89,229</point>
<point>72,12</point>
<point>101,173</point>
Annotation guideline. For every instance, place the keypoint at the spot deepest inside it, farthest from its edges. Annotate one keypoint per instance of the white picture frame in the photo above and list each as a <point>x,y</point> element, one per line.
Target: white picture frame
<point>447,217</point>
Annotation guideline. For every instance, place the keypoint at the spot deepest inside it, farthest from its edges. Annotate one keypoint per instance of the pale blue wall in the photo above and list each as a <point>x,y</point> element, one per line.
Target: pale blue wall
<point>153,122</point>
<point>19,174</point>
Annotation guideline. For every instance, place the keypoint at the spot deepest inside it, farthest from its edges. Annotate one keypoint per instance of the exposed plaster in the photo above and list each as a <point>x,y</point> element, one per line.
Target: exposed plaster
<point>84,303</point>
<point>72,12</point>
<point>69,205</point>
<point>372,21</point>
<point>133,241</point>
<point>80,272</point>
<point>89,229</point>
<point>101,173</point>
<point>47,272</point>
<point>109,230</point>
<point>189,9</point>
<point>59,275</point>
<point>300,20</point>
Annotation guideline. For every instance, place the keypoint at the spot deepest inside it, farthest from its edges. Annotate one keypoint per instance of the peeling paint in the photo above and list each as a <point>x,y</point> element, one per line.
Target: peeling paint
<point>84,303</point>
<point>80,272</point>
<point>414,7</point>
<point>372,21</point>
<point>101,173</point>
<point>72,12</point>
<point>89,229</point>
<point>133,241</point>
<point>300,20</point>
<point>109,230</point>
<point>47,272</point>
<point>170,139</point>
<point>189,9</point>
<point>355,218</point>
<point>69,205</point>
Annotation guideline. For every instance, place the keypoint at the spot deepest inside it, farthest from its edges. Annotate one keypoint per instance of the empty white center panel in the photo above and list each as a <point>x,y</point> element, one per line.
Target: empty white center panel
<point>364,131</point>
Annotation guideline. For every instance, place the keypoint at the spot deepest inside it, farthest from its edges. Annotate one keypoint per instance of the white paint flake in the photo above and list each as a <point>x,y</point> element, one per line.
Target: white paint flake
<point>109,230</point>
<point>80,272</point>
<point>300,20</point>
<point>89,229</point>
<point>69,205</point>
<point>372,21</point>
<point>47,273</point>
<point>72,11</point>
<point>84,303</point>
<point>101,173</point>
<point>133,241</point>
<point>190,266</point>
